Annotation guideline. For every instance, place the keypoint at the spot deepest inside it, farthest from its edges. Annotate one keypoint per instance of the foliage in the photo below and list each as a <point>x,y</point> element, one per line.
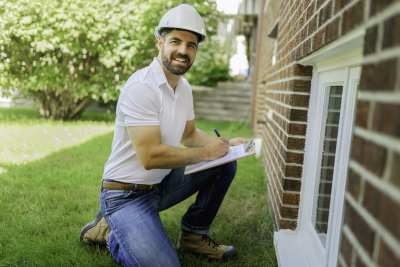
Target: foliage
<point>67,53</point>
<point>211,66</point>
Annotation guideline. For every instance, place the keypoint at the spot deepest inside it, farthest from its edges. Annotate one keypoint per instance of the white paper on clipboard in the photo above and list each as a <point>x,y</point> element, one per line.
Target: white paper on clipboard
<point>235,153</point>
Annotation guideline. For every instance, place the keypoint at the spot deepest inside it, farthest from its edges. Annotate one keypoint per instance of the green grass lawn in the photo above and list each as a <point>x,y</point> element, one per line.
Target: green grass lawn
<point>50,175</point>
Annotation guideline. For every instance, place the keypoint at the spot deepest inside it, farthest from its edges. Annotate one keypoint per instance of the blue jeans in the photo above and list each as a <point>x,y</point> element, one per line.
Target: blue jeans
<point>137,236</point>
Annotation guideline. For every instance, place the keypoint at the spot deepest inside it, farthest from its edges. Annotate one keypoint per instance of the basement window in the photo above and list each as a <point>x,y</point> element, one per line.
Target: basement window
<point>334,90</point>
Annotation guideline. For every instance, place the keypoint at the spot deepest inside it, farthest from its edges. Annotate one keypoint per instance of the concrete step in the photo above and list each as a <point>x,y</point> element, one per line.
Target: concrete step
<point>223,112</point>
<point>235,85</point>
<point>223,99</point>
<point>220,118</point>
<point>219,105</point>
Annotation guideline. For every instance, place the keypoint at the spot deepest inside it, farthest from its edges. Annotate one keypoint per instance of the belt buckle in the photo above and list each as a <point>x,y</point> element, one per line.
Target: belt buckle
<point>136,186</point>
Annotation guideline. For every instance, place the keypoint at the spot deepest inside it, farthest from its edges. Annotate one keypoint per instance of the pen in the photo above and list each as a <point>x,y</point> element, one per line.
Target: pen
<point>215,130</point>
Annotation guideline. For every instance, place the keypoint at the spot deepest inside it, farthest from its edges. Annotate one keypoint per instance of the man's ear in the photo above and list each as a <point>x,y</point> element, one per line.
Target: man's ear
<point>160,42</point>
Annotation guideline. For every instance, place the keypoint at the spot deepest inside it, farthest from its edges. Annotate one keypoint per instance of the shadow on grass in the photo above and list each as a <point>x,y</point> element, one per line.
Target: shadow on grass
<point>45,204</point>
<point>18,114</point>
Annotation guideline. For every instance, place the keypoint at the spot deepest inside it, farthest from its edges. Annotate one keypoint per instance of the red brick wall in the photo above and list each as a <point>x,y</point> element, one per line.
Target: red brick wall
<point>371,229</point>
<point>284,89</point>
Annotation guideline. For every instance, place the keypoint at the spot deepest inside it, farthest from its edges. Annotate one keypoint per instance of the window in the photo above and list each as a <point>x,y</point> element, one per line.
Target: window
<point>336,75</point>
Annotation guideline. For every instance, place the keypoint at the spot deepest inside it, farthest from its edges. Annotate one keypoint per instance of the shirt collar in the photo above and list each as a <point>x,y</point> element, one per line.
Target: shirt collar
<point>160,75</point>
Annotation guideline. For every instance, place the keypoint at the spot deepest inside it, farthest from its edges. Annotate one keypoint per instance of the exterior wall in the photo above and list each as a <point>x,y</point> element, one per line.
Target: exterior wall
<point>371,229</point>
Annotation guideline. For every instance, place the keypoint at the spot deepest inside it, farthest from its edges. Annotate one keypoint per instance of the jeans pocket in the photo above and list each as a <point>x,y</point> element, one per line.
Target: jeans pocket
<point>116,199</point>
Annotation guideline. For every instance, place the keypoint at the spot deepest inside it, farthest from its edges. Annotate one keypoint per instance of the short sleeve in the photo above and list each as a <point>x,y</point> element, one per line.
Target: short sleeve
<point>139,106</point>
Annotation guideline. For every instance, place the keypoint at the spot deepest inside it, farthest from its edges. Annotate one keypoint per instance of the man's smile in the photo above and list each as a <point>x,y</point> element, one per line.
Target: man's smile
<point>180,60</point>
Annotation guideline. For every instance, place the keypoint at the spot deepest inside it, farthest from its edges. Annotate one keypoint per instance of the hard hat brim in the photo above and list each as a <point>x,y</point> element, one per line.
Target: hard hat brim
<point>204,38</point>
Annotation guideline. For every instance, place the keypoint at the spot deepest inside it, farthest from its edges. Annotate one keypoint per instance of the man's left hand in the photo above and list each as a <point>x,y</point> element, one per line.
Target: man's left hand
<point>238,141</point>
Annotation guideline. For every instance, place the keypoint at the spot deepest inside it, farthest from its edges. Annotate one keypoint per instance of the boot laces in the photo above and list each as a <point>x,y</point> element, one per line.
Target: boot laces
<point>209,241</point>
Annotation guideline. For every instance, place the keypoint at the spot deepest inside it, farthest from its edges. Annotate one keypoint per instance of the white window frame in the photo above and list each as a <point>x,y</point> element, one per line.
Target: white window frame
<point>303,247</point>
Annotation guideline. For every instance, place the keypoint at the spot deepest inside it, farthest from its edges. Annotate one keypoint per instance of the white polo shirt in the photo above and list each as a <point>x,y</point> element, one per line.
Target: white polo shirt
<point>147,99</point>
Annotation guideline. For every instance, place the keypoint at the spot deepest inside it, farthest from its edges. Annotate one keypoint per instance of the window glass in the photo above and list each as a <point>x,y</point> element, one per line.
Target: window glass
<point>327,158</point>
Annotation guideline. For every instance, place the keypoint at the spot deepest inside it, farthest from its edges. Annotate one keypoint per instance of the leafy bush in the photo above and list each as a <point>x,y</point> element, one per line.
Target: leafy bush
<point>65,54</point>
<point>211,66</point>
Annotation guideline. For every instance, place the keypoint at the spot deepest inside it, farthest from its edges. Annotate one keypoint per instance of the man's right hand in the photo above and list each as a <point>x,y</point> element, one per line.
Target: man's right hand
<point>217,148</point>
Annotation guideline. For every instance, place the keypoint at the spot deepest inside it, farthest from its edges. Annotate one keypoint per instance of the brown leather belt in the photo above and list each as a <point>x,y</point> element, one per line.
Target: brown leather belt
<point>131,187</point>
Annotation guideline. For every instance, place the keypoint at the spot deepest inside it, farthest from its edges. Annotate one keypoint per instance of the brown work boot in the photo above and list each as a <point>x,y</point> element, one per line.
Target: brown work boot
<point>95,232</point>
<point>204,245</point>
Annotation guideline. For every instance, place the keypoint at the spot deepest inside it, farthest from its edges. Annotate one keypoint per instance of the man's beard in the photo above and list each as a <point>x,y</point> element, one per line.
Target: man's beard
<point>175,69</point>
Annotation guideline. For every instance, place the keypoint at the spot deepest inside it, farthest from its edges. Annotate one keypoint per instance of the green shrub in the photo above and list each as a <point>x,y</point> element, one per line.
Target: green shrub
<point>210,67</point>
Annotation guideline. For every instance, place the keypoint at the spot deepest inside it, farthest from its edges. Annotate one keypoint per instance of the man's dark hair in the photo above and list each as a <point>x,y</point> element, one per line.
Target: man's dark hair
<point>165,31</point>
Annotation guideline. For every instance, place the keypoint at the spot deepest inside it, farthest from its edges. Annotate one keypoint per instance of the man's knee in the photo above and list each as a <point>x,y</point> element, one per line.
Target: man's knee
<point>230,169</point>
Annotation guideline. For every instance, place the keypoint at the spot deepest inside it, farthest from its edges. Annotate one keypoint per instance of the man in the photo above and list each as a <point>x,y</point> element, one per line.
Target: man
<point>145,172</point>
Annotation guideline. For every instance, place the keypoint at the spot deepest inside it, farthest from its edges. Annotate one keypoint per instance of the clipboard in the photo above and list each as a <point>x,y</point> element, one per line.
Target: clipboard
<point>235,153</point>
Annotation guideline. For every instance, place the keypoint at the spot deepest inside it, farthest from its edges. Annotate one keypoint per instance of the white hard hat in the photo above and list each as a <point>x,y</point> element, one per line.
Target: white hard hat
<point>183,17</point>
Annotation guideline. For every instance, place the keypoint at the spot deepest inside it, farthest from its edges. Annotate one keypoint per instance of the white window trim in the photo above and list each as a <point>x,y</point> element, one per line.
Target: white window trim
<point>303,248</point>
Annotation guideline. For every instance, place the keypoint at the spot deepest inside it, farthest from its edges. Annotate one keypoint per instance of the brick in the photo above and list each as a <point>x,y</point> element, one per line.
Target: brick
<point>383,208</point>
<point>331,131</point>
<point>293,171</point>
<point>294,158</point>
<point>312,25</point>
<point>304,34</point>
<point>353,17</point>
<point>357,148</point>
<point>326,174</point>
<point>299,100</point>
<point>325,188</point>
<point>325,14</point>
<point>333,117</point>
<point>360,228</point>
<point>335,102</point>
<point>296,143</point>
<point>387,119</point>
<point>306,3</point>
<point>332,31</point>
<point>319,3</point>
<point>297,129</point>
<point>353,184</point>
<point>391,37</point>
<point>291,185</point>
<point>293,56</point>
<point>322,218</point>
<point>362,114</point>
<point>329,146</point>
<point>291,199</point>
<point>318,39</point>
<point>298,115</point>
<point>299,51</point>
<point>380,76</point>
<point>346,249</point>
<point>387,257</point>
<point>376,6</point>
<point>339,4</point>
<point>301,22</point>
<point>359,262</point>
<point>395,171</point>
<point>310,11</point>
<point>290,213</point>
<point>324,202</point>
<point>371,37</point>
<point>372,156</point>
<point>286,224</point>
<point>328,161</point>
<point>300,70</point>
